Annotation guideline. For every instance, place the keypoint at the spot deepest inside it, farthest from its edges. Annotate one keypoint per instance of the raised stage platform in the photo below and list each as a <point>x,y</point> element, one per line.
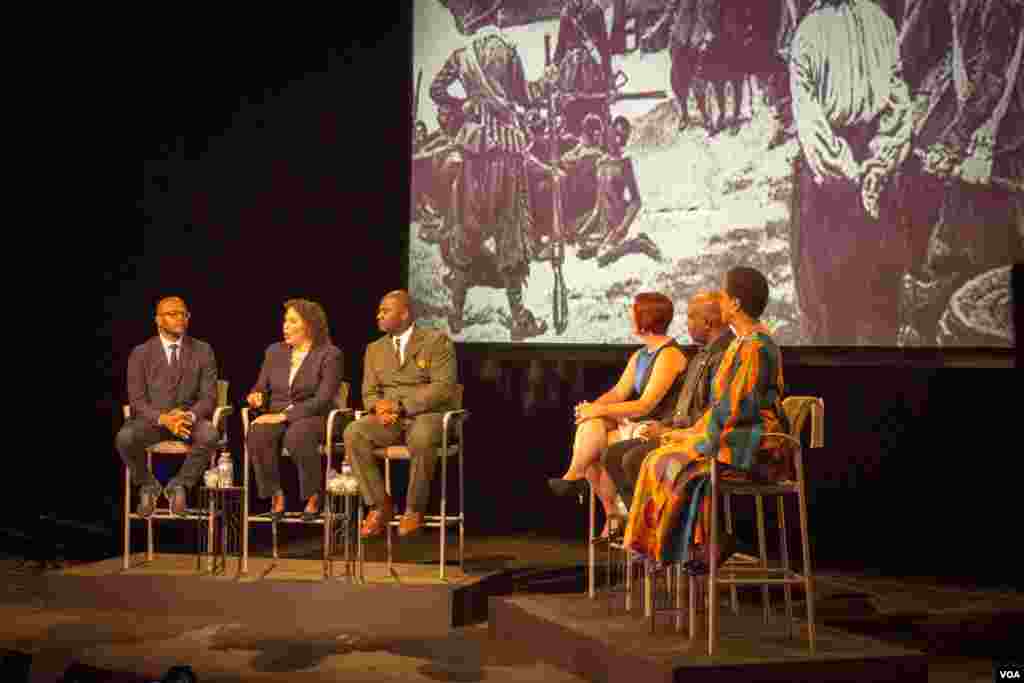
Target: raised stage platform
<point>285,589</point>
<point>282,622</point>
<point>577,634</point>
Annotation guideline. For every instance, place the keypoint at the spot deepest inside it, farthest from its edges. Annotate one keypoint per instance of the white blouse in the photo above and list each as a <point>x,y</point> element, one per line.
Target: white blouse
<point>297,358</point>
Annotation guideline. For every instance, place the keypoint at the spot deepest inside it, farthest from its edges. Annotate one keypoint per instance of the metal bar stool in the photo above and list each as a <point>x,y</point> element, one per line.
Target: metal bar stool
<point>452,446</point>
<point>168,448</point>
<point>746,570</point>
<point>325,519</point>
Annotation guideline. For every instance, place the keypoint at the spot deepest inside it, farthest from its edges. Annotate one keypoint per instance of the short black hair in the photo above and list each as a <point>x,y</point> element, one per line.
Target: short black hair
<point>750,287</point>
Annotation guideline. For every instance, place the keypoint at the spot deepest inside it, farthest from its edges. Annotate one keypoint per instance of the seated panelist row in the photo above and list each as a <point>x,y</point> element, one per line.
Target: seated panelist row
<point>409,379</point>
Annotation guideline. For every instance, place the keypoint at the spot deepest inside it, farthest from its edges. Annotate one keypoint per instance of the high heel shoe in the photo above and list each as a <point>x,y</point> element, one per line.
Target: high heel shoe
<point>564,487</point>
<point>277,507</point>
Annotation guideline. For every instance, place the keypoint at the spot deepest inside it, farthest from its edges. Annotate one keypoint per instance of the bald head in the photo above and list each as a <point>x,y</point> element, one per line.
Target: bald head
<point>704,317</point>
<point>172,317</point>
<point>401,298</point>
<point>167,301</point>
<point>395,312</point>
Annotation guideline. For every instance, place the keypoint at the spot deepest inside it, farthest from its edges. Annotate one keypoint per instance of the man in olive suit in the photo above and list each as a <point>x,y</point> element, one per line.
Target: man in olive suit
<point>409,379</point>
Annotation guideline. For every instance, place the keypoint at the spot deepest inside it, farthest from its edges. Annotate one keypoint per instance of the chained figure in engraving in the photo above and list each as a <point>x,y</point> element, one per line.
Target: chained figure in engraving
<point>604,230</point>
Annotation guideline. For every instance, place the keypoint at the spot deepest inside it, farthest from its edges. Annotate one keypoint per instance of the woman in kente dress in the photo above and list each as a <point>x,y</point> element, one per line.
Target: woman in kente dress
<point>669,518</point>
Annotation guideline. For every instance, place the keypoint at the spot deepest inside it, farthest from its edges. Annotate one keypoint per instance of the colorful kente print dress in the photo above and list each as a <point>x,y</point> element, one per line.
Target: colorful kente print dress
<point>670,510</point>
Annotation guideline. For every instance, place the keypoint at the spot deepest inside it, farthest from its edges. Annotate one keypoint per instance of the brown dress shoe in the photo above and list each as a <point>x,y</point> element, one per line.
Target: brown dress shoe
<point>376,523</point>
<point>277,507</point>
<point>412,523</point>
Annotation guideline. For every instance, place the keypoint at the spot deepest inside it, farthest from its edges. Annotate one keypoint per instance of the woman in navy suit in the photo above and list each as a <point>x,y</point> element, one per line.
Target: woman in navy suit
<point>297,386</point>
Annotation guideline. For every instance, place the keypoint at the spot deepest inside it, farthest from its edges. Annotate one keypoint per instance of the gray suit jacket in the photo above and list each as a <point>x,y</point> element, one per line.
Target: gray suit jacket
<point>424,383</point>
<point>695,396</point>
<point>153,389</point>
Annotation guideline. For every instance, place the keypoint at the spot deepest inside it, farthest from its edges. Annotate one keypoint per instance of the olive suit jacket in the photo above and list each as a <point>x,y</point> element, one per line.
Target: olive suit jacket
<point>424,382</point>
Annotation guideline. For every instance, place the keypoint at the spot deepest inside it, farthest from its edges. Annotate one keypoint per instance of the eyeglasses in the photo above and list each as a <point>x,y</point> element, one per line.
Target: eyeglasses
<point>176,314</point>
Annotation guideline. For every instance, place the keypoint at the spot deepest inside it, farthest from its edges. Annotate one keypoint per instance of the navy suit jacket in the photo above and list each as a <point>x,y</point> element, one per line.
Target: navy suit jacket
<point>316,383</point>
<point>154,389</point>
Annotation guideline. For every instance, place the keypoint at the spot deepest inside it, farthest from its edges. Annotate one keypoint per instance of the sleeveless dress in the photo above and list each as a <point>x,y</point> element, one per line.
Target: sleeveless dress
<point>645,361</point>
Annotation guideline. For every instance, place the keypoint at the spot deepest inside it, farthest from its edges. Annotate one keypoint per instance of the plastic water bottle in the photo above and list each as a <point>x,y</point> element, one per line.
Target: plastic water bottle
<point>225,469</point>
<point>333,484</point>
<point>350,483</point>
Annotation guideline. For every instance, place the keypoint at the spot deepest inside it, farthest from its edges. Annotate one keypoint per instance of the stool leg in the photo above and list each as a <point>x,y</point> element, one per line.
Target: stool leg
<point>712,606</point>
<point>273,534</point>
<point>733,592</point>
<point>359,541</point>
<point>806,547</point>
<point>444,509</point>
<point>327,539</point>
<point>652,596</point>
<point>787,589</point>
<point>149,521</point>
<point>462,511</point>
<point>223,505</point>
<point>692,581</point>
<point>629,581</point>
<point>762,550</point>
<point>209,531</point>
<point>127,517</point>
<point>387,487</point>
<point>648,598</point>
<point>591,552</point>
<point>678,588</point>
<point>245,510</point>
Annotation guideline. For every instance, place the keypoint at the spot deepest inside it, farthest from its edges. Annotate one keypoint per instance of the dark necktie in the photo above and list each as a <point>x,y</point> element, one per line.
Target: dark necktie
<point>398,350</point>
<point>174,357</point>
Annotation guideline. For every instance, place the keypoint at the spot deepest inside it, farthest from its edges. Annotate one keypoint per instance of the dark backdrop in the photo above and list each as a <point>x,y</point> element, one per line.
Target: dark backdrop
<point>271,172</point>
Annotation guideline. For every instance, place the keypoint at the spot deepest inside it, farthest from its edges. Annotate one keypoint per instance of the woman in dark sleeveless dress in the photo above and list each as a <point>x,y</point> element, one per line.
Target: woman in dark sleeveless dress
<point>647,390</point>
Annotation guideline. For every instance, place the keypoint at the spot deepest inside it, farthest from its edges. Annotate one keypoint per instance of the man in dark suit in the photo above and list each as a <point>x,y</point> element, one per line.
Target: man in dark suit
<point>172,389</point>
<point>622,460</point>
<point>409,380</point>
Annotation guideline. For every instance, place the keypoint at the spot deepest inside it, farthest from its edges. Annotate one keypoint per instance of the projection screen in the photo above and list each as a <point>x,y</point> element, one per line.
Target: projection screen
<point>866,155</point>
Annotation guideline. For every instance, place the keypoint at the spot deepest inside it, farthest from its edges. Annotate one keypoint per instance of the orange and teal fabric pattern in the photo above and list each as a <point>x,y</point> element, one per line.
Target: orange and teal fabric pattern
<point>670,510</point>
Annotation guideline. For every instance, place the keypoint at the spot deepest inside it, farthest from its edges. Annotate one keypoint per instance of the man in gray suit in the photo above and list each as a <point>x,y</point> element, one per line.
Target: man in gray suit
<point>409,379</point>
<point>172,389</point>
<point>622,460</point>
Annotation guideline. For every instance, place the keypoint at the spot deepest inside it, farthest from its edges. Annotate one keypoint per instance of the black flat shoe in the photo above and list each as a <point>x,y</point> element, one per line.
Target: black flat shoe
<point>698,566</point>
<point>562,487</point>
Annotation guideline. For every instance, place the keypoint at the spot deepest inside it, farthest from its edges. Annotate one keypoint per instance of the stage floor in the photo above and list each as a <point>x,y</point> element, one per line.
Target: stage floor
<point>291,626</point>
